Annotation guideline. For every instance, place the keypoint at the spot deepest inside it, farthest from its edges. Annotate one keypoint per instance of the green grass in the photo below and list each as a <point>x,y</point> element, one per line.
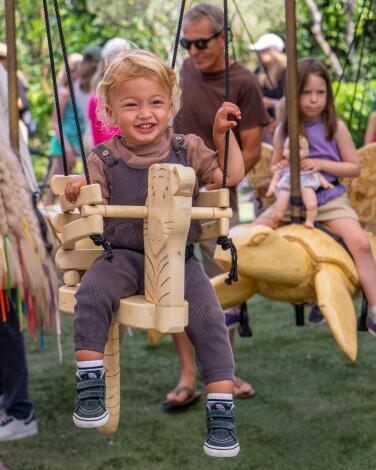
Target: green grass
<point>313,409</point>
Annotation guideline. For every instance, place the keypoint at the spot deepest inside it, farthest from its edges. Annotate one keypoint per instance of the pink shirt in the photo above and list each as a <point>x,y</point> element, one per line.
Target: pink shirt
<point>100,133</point>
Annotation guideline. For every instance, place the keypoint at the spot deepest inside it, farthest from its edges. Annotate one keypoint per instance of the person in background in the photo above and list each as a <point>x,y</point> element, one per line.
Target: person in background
<point>203,88</point>
<point>71,140</point>
<point>17,417</point>
<point>91,57</point>
<point>28,128</point>
<point>100,131</point>
<point>370,135</point>
<point>271,75</point>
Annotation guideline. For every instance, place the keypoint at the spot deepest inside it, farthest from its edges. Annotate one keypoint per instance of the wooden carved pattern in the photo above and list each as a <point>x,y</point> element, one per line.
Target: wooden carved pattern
<point>112,366</point>
<point>260,176</point>
<point>362,189</point>
<point>165,232</point>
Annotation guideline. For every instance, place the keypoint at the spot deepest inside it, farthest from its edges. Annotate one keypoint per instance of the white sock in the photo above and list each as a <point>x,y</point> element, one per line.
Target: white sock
<point>90,364</point>
<point>373,312</point>
<point>223,398</point>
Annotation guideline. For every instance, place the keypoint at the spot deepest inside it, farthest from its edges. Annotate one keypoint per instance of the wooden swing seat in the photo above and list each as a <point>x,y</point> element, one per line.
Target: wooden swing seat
<point>167,216</point>
<point>84,218</point>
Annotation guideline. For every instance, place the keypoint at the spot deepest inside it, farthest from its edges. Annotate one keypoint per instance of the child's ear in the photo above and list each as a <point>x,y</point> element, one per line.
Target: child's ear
<point>110,115</point>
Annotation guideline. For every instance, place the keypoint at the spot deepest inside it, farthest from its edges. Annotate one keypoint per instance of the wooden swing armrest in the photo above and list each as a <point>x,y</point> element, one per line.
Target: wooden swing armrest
<point>202,213</point>
<point>90,194</point>
<point>142,212</point>
<point>80,229</point>
<point>112,211</point>
<point>58,183</point>
<point>215,198</point>
<point>218,228</point>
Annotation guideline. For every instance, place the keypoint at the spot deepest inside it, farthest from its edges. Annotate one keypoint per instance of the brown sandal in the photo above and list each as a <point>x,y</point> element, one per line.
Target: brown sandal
<point>193,396</point>
<point>238,383</point>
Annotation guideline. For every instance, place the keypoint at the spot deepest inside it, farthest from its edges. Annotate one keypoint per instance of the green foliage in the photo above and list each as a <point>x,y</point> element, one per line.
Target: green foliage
<point>152,25</point>
<point>354,104</point>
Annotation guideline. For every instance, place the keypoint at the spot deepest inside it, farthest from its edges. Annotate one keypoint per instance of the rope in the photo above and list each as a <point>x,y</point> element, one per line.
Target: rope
<point>54,81</point>
<point>178,32</point>
<point>227,89</point>
<point>99,240</point>
<point>70,85</point>
<point>226,242</point>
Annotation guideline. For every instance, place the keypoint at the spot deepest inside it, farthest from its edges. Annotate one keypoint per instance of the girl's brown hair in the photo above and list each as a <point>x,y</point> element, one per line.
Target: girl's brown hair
<point>314,66</point>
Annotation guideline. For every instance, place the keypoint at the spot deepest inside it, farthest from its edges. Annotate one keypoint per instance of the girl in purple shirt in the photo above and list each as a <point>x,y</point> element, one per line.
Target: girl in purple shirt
<point>333,154</point>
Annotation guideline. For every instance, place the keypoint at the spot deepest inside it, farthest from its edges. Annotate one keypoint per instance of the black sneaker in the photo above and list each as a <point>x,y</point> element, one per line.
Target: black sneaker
<point>221,440</point>
<point>90,409</point>
<point>315,316</point>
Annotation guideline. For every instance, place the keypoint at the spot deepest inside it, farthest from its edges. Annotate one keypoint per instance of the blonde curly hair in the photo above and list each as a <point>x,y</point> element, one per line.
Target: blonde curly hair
<point>136,63</point>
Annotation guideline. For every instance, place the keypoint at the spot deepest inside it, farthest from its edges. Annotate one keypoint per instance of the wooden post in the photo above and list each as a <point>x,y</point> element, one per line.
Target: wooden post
<point>293,109</point>
<point>12,74</point>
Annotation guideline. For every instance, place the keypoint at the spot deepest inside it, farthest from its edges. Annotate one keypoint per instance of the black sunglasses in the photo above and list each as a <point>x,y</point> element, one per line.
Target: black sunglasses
<point>199,43</point>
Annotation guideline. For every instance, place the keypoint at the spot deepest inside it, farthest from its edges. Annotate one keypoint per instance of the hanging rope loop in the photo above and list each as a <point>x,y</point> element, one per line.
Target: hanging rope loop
<point>99,240</point>
<point>226,243</point>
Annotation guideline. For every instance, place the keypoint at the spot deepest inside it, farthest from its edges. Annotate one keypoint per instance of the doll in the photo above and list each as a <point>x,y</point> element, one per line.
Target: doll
<point>309,182</point>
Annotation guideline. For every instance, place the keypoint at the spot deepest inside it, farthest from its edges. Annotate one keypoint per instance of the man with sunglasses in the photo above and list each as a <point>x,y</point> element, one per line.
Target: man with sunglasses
<point>203,86</point>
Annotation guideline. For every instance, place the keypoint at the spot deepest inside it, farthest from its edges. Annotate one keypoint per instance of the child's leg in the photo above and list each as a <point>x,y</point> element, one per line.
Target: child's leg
<point>281,205</point>
<point>357,242</point>
<point>209,336</point>
<point>98,297</point>
<point>310,203</point>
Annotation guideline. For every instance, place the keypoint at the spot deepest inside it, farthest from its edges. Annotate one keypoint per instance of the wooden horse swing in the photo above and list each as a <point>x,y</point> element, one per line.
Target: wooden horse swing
<point>167,215</point>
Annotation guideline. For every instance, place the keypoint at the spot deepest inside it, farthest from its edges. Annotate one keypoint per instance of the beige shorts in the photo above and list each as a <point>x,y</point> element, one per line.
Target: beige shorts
<point>337,209</point>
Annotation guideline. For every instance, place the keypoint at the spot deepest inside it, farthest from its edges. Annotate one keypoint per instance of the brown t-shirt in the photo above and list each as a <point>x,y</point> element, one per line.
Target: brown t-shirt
<point>202,159</point>
<point>202,95</point>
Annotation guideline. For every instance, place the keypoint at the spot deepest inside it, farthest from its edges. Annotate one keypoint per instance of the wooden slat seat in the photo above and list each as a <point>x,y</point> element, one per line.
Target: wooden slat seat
<point>134,311</point>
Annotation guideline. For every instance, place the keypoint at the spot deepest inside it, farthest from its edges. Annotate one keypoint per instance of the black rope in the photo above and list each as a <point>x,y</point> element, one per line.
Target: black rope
<point>99,240</point>
<point>178,32</point>
<point>71,91</point>
<point>227,89</point>
<point>226,242</point>
<point>54,81</point>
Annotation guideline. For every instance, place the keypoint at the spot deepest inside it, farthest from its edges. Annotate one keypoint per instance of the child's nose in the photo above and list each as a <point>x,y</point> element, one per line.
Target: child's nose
<point>145,111</point>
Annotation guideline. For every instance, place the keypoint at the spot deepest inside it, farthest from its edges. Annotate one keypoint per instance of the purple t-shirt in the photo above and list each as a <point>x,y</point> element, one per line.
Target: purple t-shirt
<point>320,147</point>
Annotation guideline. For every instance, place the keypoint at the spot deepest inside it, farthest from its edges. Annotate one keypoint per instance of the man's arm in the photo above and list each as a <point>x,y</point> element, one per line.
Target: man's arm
<point>251,146</point>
